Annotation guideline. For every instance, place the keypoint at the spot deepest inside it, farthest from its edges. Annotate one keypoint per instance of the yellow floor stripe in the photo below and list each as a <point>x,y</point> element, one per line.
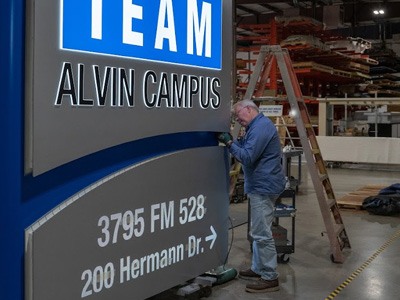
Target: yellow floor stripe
<point>362,267</point>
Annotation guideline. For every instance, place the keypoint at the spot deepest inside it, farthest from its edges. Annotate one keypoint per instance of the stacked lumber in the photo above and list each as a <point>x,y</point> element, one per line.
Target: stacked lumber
<point>309,66</point>
<point>341,62</point>
<point>304,41</point>
<point>355,199</point>
<point>384,87</point>
<point>300,24</point>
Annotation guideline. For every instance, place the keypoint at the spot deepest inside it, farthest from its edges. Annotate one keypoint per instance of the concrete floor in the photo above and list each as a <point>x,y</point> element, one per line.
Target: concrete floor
<point>372,266</point>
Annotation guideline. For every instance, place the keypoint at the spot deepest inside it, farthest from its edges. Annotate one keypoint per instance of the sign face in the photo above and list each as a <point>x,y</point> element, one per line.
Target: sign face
<point>184,32</point>
<point>121,237</point>
<point>271,110</point>
<point>102,73</point>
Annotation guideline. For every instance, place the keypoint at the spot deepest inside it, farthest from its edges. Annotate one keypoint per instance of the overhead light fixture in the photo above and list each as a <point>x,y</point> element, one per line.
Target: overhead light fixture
<point>378,12</point>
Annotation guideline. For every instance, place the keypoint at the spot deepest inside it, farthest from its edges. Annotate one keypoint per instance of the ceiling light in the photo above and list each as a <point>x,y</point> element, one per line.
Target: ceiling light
<point>378,12</point>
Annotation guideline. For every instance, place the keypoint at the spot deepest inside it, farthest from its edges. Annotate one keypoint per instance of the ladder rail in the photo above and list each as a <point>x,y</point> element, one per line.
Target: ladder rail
<point>294,98</point>
<point>260,68</point>
<point>263,67</point>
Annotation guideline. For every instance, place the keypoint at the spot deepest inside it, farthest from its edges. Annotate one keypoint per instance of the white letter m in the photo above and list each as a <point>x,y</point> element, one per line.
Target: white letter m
<point>199,32</point>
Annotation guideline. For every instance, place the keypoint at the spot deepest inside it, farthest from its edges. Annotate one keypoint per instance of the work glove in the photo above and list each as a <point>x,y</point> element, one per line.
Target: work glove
<point>225,138</point>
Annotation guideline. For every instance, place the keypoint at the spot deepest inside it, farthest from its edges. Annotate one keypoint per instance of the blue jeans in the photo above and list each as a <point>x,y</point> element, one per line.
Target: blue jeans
<point>264,260</point>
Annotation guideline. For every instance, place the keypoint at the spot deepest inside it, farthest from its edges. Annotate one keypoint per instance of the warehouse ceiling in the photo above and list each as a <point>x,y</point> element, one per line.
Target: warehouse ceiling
<point>346,13</point>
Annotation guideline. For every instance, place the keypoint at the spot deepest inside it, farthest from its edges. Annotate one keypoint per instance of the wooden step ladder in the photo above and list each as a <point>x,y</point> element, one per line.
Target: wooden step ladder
<point>268,56</point>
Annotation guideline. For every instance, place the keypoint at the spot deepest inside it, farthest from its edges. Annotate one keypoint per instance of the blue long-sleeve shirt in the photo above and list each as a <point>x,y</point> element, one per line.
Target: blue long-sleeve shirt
<point>259,152</point>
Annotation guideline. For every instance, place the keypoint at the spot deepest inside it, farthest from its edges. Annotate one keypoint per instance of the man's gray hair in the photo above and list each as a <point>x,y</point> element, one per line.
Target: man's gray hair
<point>244,103</point>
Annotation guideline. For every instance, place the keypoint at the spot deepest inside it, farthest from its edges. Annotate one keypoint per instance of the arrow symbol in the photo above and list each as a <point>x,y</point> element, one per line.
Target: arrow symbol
<point>212,237</point>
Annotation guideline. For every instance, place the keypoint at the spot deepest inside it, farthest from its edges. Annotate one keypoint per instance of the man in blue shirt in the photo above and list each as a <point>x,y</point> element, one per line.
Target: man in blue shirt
<point>259,152</point>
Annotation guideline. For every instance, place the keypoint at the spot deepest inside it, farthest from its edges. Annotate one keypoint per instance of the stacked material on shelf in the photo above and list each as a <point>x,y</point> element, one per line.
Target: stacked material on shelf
<point>384,87</point>
<point>350,44</point>
<point>300,23</point>
<point>389,62</point>
<point>305,41</point>
<point>312,54</point>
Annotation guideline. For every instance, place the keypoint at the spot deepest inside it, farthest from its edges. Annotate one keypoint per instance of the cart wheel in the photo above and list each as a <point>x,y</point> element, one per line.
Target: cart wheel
<point>283,258</point>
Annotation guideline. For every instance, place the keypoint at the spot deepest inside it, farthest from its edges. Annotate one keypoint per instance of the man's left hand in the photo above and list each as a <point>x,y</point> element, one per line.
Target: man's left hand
<point>225,138</point>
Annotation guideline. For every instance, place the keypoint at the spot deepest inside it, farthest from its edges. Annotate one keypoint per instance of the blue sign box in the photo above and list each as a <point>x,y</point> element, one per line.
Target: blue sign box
<point>185,32</point>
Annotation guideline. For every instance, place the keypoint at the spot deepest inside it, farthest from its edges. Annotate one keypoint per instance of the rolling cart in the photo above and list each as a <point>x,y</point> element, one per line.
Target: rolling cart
<point>285,208</point>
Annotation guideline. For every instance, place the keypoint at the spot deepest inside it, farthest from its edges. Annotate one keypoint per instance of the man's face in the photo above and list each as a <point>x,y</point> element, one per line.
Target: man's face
<point>243,115</point>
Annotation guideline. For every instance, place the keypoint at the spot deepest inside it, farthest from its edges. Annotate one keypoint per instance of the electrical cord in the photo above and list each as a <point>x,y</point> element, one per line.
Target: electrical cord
<point>230,246</point>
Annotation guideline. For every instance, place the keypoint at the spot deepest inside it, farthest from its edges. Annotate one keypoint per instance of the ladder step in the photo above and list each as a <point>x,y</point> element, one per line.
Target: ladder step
<point>331,203</point>
<point>323,177</point>
<point>330,194</point>
<point>338,229</point>
<point>342,239</point>
<point>316,151</point>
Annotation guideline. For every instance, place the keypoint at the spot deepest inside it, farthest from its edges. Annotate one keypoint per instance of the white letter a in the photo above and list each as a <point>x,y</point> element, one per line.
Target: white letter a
<point>166,32</point>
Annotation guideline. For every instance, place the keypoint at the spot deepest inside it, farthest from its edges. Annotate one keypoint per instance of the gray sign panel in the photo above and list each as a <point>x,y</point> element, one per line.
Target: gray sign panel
<point>101,73</point>
<point>135,233</point>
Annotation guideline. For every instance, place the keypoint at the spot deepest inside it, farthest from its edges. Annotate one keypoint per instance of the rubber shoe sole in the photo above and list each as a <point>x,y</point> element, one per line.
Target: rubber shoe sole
<point>263,286</point>
<point>273,289</point>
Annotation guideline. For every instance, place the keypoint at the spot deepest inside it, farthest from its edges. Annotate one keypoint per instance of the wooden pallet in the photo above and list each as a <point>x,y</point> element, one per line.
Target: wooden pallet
<point>354,200</point>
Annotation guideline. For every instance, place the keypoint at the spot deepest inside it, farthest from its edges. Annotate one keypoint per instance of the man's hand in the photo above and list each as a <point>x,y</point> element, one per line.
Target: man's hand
<point>225,138</point>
